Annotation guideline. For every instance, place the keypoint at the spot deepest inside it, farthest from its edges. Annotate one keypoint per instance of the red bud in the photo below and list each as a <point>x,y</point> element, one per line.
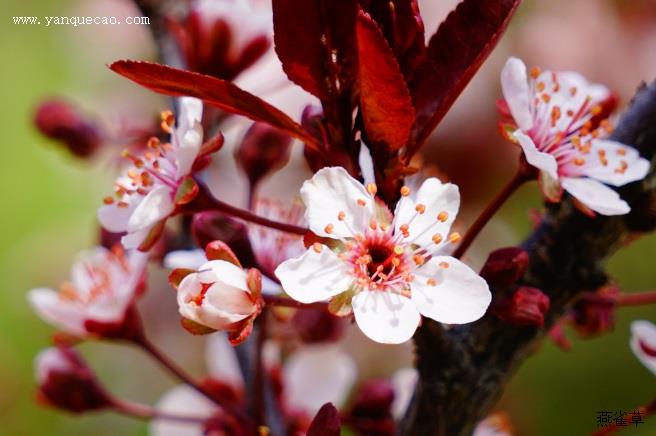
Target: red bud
<point>207,227</point>
<point>371,411</point>
<point>66,382</point>
<point>525,307</point>
<point>60,121</point>
<point>262,151</point>
<point>505,266</point>
<point>326,422</point>
<point>315,326</point>
<point>593,313</point>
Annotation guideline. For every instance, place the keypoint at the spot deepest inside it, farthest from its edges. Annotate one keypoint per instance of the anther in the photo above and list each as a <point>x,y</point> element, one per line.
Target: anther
<point>108,200</point>
<point>341,215</point>
<point>405,191</point>
<point>444,265</point>
<point>431,282</point>
<point>437,238</point>
<point>361,202</point>
<point>421,208</point>
<point>443,216</point>
<point>398,250</point>
<point>317,247</point>
<point>372,188</point>
<point>329,228</point>
<point>535,72</point>
<point>454,237</point>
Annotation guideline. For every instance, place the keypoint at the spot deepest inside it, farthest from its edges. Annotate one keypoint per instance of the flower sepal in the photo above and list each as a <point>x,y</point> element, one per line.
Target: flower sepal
<point>195,328</point>
<point>219,250</point>
<point>177,275</point>
<point>341,304</point>
<point>187,191</point>
<point>129,328</point>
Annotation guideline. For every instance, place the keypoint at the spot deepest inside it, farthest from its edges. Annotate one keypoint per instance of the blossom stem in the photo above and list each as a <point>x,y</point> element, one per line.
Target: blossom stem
<point>259,380</point>
<point>288,302</point>
<point>643,412</point>
<point>167,363</point>
<point>142,411</point>
<point>636,298</point>
<point>492,208</point>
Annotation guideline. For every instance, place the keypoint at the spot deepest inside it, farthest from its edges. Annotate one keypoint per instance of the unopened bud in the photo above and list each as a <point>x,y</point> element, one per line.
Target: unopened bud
<point>505,266</point>
<point>326,422</point>
<point>525,307</point>
<point>66,382</point>
<point>371,411</point>
<point>315,326</point>
<point>207,227</point>
<point>593,313</point>
<point>263,150</point>
<point>60,121</point>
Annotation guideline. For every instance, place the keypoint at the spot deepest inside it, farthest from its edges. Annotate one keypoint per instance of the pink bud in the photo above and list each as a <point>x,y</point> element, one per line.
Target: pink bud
<point>262,151</point>
<point>525,307</point>
<point>505,266</point>
<point>60,121</point>
<point>66,382</point>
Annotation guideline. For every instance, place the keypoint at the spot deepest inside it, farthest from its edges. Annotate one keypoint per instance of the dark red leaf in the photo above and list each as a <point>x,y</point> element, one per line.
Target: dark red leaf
<point>326,422</point>
<point>384,98</point>
<point>456,51</point>
<point>213,91</point>
<point>307,33</point>
<point>403,28</point>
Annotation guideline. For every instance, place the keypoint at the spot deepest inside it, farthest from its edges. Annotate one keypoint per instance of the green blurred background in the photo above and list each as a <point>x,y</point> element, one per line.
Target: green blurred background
<point>49,201</point>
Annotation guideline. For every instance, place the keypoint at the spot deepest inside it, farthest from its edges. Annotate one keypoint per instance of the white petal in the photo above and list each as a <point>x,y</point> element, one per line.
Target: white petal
<point>331,191</point>
<point>514,84</point>
<point>134,239</point>
<point>644,332</point>
<point>181,400</point>
<point>234,301</point>
<point>385,317</point>
<point>404,382</point>
<point>366,164</point>
<point>438,197</point>
<point>224,272</point>
<point>314,276</point>
<point>115,219</point>
<point>67,316</point>
<point>222,361</point>
<point>542,161</point>
<point>615,154</point>
<point>188,134</point>
<point>459,296</point>
<point>191,259</point>
<point>155,206</point>
<point>596,196</point>
<point>318,374</point>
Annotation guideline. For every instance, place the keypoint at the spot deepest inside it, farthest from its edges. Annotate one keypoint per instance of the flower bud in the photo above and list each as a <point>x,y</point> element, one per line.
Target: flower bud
<point>263,150</point>
<point>223,38</point>
<point>311,120</point>
<point>60,121</point>
<point>371,411</point>
<point>207,227</point>
<point>593,313</point>
<point>525,307</point>
<point>315,326</point>
<point>66,382</point>
<point>505,266</point>
<point>326,422</point>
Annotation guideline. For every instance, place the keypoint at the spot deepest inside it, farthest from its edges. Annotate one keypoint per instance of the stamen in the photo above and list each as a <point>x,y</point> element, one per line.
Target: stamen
<point>317,247</point>
<point>398,250</point>
<point>372,188</point>
<point>329,228</point>
<point>361,202</point>
<point>454,237</point>
<point>421,208</point>
<point>535,72</point>
<point>405,230</point>
<point>167,121</point>
<point>405,191</point>
<point>443,216</point>
<point>444,265</point>
<point>108,200</point>
<point>437,238</point>
<point>341,215</point>
<point>431,282</point>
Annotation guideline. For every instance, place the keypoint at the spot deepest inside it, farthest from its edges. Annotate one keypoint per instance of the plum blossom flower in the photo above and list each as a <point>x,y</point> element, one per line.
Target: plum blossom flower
<point>104,285</point>
<point>220,296</point>
<point>556,115</point>
<point>391,269</point>
<point>151,188</point>
<point>643,343</point>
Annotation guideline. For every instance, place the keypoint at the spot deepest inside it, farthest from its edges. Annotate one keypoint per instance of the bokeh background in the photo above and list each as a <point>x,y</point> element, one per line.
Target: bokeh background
<point>48,202</point>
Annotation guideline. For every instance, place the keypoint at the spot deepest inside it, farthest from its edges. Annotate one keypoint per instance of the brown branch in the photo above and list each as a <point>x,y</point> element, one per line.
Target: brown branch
<point>463,371</point>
